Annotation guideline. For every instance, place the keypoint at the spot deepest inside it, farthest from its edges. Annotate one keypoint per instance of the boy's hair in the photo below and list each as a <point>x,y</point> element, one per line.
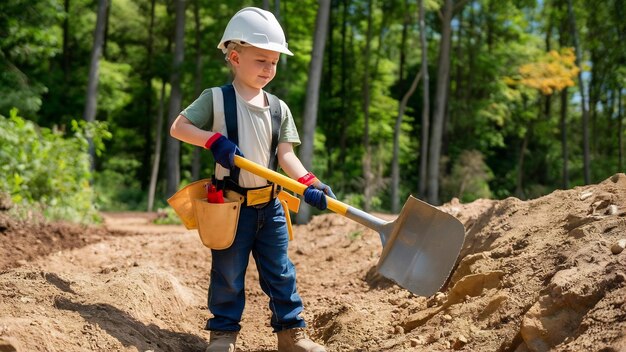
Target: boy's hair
<point>235,45</point>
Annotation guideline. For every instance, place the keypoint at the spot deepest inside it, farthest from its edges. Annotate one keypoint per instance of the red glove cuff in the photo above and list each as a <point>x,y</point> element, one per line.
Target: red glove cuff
<point>210,141</point>
<point>308,179</point>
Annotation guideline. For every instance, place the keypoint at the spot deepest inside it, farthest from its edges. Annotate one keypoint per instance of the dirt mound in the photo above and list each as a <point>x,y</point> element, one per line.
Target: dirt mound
<point>22,241</point>
<point>542,275</point>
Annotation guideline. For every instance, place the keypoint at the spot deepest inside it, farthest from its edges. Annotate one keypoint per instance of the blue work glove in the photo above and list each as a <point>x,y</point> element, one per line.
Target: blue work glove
<point>315,197</point>
<point>315,193</point>
<point>223,150</point>
<point>324,188</point>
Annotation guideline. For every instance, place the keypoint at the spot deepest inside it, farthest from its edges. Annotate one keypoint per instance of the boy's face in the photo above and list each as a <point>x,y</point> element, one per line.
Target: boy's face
<point>254,66</point>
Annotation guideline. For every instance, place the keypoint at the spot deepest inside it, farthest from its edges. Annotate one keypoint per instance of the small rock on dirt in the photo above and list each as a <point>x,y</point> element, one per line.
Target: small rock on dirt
<point>585,195</point>
<point>612,210</point>
<point>417,341</point>
<point>460,342</point>
<point>618,246</point>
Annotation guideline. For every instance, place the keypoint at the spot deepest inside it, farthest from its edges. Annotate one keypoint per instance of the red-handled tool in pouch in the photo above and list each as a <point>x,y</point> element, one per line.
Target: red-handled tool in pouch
<point>213,195</point>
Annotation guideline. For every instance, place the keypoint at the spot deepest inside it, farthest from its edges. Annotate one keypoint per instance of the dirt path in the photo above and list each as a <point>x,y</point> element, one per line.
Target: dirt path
<point>533,276</point>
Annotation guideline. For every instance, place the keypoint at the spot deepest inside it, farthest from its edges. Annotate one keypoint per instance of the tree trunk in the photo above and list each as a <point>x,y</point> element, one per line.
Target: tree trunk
<point>564,148</point>
<point>367,157</point>
<point>583,93</point>
<point>620,133</point>
<point>519,186</point>
<point>148,156</point>
<point>443,75</point>
<point>345,77</point>
<point>148,86</point>
<point>327,94</point>
<point>154,176</point>
<point>196,165</point>
<point>312,96</point>
<point>425,107</point>
<point>173,145</point>
<point>395,168</point>
<point>94,67</point>
<point>593,92</point>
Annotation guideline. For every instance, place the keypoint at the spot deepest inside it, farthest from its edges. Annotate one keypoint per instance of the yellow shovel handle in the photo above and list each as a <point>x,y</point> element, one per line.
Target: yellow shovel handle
<point>289,183</point>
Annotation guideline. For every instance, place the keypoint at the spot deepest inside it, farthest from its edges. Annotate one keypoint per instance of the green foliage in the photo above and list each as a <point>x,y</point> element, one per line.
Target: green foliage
<point>41,166</point>
<point>28,38</point>
<point>491,41</point>
<point>469,179</point>
<point>117,187</point>
<point>113,86</point>
<point>167,216</point>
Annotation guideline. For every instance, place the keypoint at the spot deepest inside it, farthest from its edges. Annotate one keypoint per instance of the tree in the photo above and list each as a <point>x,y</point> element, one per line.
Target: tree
<point>156,159</point>
<point>94,67</point>
<point>173,145</point>
<point>196,158</point>
<point>395,164</point>
<point>367,155</point>
<point>443,76</point>
<point>312,96</point>
<point>620,132</point>
<point>551,73</point>
<point>424,142</point>
<point>583,93</point>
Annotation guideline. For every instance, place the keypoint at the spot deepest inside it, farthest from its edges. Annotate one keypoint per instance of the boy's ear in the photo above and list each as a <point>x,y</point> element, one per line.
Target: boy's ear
<point>233,57</point>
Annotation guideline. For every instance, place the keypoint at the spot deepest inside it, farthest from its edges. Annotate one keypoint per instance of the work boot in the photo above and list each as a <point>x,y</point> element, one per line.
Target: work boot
<point>296,340</point>
<point>222,341</point>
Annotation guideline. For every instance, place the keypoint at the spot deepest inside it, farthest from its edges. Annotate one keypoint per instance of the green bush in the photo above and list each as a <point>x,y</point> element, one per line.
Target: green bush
<point>117,186</point>
<point>43,168</point>
<point>469,179</point>
<point>167,216</point>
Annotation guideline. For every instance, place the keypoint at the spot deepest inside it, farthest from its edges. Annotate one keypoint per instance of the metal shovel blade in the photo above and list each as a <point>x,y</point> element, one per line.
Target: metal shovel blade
<point>420,247</point>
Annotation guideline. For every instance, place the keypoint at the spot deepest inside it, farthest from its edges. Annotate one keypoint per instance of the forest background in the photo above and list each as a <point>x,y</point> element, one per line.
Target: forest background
<point>435,98</point>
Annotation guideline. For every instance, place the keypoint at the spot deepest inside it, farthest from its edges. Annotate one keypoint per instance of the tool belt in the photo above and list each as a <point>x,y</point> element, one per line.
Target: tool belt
<point>217,222</point>
<point>257,197</point>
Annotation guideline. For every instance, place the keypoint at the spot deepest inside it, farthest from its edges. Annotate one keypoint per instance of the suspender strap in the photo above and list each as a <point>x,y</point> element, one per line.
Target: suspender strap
<point>276,119</point>
<point>230,115</point>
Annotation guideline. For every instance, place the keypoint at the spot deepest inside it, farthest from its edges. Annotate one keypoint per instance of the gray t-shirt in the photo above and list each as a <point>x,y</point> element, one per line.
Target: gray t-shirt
<point>254,126</point>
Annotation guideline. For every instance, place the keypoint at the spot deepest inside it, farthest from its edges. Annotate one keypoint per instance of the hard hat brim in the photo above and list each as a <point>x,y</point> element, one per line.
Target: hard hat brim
<point>268,46</point>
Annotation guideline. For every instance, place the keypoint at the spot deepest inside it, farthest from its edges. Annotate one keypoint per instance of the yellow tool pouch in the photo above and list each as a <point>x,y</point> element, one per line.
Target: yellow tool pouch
<point>182,202</point>
<point>216,222</point>
<point>259,196</point>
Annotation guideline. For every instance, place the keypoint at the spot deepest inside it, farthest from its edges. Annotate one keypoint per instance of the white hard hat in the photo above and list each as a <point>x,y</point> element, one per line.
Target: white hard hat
<point>256,27</point>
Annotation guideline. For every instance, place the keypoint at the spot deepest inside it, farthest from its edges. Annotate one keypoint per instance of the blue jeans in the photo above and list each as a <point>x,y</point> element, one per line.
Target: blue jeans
<point>264,233</point>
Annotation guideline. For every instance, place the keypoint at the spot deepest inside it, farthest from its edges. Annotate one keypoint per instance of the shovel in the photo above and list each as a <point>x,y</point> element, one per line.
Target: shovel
<point>420,247</point>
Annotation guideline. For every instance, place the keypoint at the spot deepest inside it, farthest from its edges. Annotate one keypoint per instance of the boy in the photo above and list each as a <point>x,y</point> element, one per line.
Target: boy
<point>253,41</point>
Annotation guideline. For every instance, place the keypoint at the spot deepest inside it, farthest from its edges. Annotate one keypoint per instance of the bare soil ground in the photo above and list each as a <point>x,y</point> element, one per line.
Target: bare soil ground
<point>539,275</point>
